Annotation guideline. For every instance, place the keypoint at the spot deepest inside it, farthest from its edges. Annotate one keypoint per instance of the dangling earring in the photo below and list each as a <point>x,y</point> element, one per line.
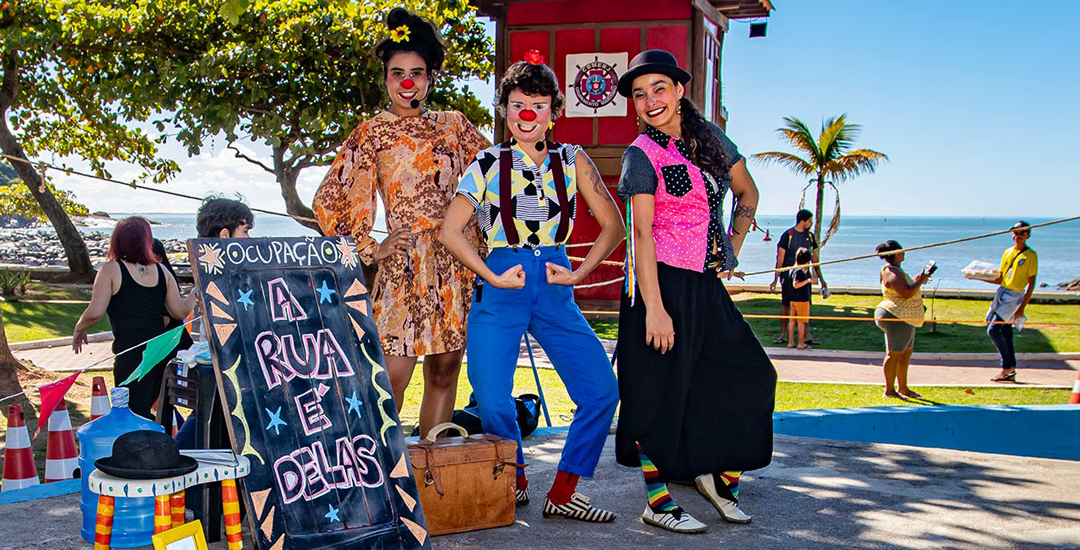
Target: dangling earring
<point>551,125</point>
<point>678,108</point>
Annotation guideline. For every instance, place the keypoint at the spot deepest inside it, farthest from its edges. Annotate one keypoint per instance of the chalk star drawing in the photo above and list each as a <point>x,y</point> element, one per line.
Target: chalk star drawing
<point>210,258</point>
<point>325,292</point>
<point>275,421</point>
<point>354,405</point>
<point>348,253</point>
<point>332,515</point>
<point>245,298</point>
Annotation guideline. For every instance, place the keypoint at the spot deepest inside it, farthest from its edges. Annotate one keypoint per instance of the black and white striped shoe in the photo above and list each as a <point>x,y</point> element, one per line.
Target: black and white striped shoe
<point>579,507</point>
<point>522,497</point>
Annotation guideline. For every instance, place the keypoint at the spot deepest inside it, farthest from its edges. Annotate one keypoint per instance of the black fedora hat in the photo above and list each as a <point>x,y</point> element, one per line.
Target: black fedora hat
<point>652,62</point>
<point>146,454</point>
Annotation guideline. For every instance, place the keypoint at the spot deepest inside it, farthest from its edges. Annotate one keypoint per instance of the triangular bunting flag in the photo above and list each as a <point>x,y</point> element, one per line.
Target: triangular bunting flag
<point>267,526</point>
<point>402,468</point>
<point>51,394</point>
<point>279,544</point>
<point>156,350</point>
<point>214,292</point>
<point>356,326</point>
<point>419,532</point>
<point>224,331</point>
<point>259,500</point>
<point>218,312</point>
<point>356,288</point>
<point>410,502</point>
<point>359,305</point>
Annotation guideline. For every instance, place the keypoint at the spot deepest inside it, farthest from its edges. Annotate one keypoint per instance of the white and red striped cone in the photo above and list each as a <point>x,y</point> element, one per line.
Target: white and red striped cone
<point>61,454</point>
<point>19,469</point>
<point>1075,397</point>
<point>99,400</point>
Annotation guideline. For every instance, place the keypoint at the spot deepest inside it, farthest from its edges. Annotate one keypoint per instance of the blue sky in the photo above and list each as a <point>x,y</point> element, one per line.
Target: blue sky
<point>973,103</point>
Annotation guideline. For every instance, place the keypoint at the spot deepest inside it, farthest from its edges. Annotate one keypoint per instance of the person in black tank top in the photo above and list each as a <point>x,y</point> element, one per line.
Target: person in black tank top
<point>137,295</point>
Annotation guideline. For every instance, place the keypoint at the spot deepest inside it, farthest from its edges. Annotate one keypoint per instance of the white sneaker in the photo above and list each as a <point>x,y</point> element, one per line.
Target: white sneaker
<point>685,523</point>
<point>729,509</point>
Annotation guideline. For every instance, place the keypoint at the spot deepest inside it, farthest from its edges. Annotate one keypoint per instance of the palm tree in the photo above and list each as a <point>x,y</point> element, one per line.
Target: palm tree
<point>829,160</point>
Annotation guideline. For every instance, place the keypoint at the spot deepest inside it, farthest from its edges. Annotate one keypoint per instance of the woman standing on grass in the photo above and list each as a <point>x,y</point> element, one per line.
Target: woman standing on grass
<point>898,315</point>
<point>410,157</point>
<point>138,295</point>
<point>697,387</point>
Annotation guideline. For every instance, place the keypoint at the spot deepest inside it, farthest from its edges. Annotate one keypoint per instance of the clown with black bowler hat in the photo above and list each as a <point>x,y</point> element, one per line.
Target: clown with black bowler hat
<point>697,387</point>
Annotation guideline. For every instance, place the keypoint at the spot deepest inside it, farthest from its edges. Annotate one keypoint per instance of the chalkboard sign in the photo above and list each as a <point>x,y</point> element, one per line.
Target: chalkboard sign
<point>299,364</point>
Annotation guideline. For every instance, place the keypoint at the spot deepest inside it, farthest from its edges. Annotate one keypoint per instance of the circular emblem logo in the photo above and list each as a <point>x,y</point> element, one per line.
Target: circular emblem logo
<point>595,84</point>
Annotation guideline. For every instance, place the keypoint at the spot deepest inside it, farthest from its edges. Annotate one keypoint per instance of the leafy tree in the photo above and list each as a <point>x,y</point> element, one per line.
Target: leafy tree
<point>51,105</point>
<point>17,201</point>
<point>295,75</point>
<point>8,175</point>
<point>828,159</point>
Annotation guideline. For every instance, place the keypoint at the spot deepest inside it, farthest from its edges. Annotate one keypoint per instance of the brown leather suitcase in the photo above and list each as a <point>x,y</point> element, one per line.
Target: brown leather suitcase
<point>465,483</point>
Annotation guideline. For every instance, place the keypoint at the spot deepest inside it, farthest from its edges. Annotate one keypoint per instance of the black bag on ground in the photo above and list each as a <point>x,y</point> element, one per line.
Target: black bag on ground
<point>528,415</point>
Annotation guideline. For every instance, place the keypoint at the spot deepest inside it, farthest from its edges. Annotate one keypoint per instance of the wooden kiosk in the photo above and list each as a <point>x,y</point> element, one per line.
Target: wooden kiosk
<point>589,43</point>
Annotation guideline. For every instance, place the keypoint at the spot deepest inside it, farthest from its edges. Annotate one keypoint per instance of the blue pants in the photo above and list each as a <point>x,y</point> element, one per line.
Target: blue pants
<point>498,320</point>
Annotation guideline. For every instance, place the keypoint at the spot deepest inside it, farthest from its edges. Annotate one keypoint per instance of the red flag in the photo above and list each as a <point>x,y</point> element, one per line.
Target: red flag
<point>50,396</point>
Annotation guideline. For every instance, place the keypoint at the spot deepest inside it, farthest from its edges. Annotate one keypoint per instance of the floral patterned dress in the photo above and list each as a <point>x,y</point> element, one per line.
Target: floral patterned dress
<point>420,298</point>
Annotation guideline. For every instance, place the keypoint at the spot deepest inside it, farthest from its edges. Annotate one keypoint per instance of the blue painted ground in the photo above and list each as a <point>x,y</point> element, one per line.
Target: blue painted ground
<point>1046,431</point>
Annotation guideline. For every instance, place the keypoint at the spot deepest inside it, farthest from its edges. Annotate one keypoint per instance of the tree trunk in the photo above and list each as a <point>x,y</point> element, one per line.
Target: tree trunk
<point>74,248</point>
<point>286,177</point>
<point>820,206</point>
<point>8,362</point>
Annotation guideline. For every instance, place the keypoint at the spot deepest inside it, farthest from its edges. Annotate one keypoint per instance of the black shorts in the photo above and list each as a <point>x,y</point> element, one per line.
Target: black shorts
<point>787,290</point>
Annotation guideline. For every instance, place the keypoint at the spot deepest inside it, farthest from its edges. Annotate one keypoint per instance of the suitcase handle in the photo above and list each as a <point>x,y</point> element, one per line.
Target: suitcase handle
<point>434,433</point>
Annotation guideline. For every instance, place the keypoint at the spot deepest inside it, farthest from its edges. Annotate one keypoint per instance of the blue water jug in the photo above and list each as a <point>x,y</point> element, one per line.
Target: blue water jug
<point>133,522</point>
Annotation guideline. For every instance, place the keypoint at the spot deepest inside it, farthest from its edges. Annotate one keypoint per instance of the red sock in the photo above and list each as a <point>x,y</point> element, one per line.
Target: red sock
<point>563,488</point>
<point>522,483</point>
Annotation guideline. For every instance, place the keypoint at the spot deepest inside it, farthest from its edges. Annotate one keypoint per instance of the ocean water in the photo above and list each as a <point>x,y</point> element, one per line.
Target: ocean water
<point>1059,255</point>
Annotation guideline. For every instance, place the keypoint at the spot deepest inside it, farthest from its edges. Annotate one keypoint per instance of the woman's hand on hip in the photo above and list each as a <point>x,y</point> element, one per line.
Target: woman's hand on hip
<point>513,278</point>
<point>397,242</point>
<point>559,275</point>
<point>659,330</point>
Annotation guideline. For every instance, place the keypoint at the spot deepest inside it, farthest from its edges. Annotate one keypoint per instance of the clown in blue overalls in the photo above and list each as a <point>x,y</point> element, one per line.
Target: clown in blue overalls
<point>524,193</point>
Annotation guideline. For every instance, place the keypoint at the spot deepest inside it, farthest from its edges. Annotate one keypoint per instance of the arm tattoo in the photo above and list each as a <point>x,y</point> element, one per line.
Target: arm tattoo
<point>745,211</point>
<point>598,183</point>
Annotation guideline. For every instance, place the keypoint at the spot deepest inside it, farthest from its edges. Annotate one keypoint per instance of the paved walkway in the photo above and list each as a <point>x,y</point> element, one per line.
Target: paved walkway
<point>816,494</point>
<point>794,366</point>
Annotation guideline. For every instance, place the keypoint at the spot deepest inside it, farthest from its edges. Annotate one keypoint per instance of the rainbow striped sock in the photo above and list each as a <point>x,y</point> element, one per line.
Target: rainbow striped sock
<point>659,498</point>
<point>731,482</point>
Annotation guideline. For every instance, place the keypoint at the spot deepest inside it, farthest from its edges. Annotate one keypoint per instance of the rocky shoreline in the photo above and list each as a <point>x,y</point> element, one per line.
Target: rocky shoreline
<point>39,247</point>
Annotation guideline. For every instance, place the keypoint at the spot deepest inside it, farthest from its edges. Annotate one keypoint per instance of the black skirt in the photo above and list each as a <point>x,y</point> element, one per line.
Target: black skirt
<point>706,405</point>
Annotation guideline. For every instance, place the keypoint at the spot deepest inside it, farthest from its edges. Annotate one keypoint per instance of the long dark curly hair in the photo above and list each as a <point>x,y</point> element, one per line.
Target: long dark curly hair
<point>700,137</point>
<point>424,40</point>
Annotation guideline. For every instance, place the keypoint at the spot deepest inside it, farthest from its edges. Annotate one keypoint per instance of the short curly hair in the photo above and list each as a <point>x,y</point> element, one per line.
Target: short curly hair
<point>533,80</point>
<point>424,40</point>
<point>217,213</point>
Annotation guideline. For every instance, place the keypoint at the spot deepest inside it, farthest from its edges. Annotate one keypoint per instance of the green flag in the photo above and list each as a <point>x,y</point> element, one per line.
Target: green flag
<point>155,351</point>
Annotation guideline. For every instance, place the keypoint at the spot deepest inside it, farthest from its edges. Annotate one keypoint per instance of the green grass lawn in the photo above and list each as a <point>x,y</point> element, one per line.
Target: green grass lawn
<point>34,321</point>
<point>969,336</point>
<point>789,395</point>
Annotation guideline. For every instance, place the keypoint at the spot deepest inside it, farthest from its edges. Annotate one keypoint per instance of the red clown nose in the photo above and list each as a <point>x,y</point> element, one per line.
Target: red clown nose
<point>528,115</point>
<point>407,83</point>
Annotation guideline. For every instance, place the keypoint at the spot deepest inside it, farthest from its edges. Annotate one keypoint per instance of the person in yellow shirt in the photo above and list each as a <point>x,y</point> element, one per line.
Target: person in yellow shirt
<point>1019,267</point>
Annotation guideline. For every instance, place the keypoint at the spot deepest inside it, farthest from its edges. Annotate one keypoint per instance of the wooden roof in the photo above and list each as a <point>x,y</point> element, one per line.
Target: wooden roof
<point>732,9</point>
<point>743,9</point>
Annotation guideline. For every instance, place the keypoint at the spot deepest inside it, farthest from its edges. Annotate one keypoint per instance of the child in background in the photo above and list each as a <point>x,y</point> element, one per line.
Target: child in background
<point>801,278</point>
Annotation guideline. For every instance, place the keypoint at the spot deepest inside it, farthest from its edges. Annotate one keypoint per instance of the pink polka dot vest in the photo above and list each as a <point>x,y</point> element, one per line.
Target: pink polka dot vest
<point>681,218</point>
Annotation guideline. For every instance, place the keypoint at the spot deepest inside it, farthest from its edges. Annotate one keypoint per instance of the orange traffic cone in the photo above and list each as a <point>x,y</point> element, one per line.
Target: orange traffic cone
<point>99,400</point>
<point>1075,398</point>
<point>61,455</point>
<point>19,468</point>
